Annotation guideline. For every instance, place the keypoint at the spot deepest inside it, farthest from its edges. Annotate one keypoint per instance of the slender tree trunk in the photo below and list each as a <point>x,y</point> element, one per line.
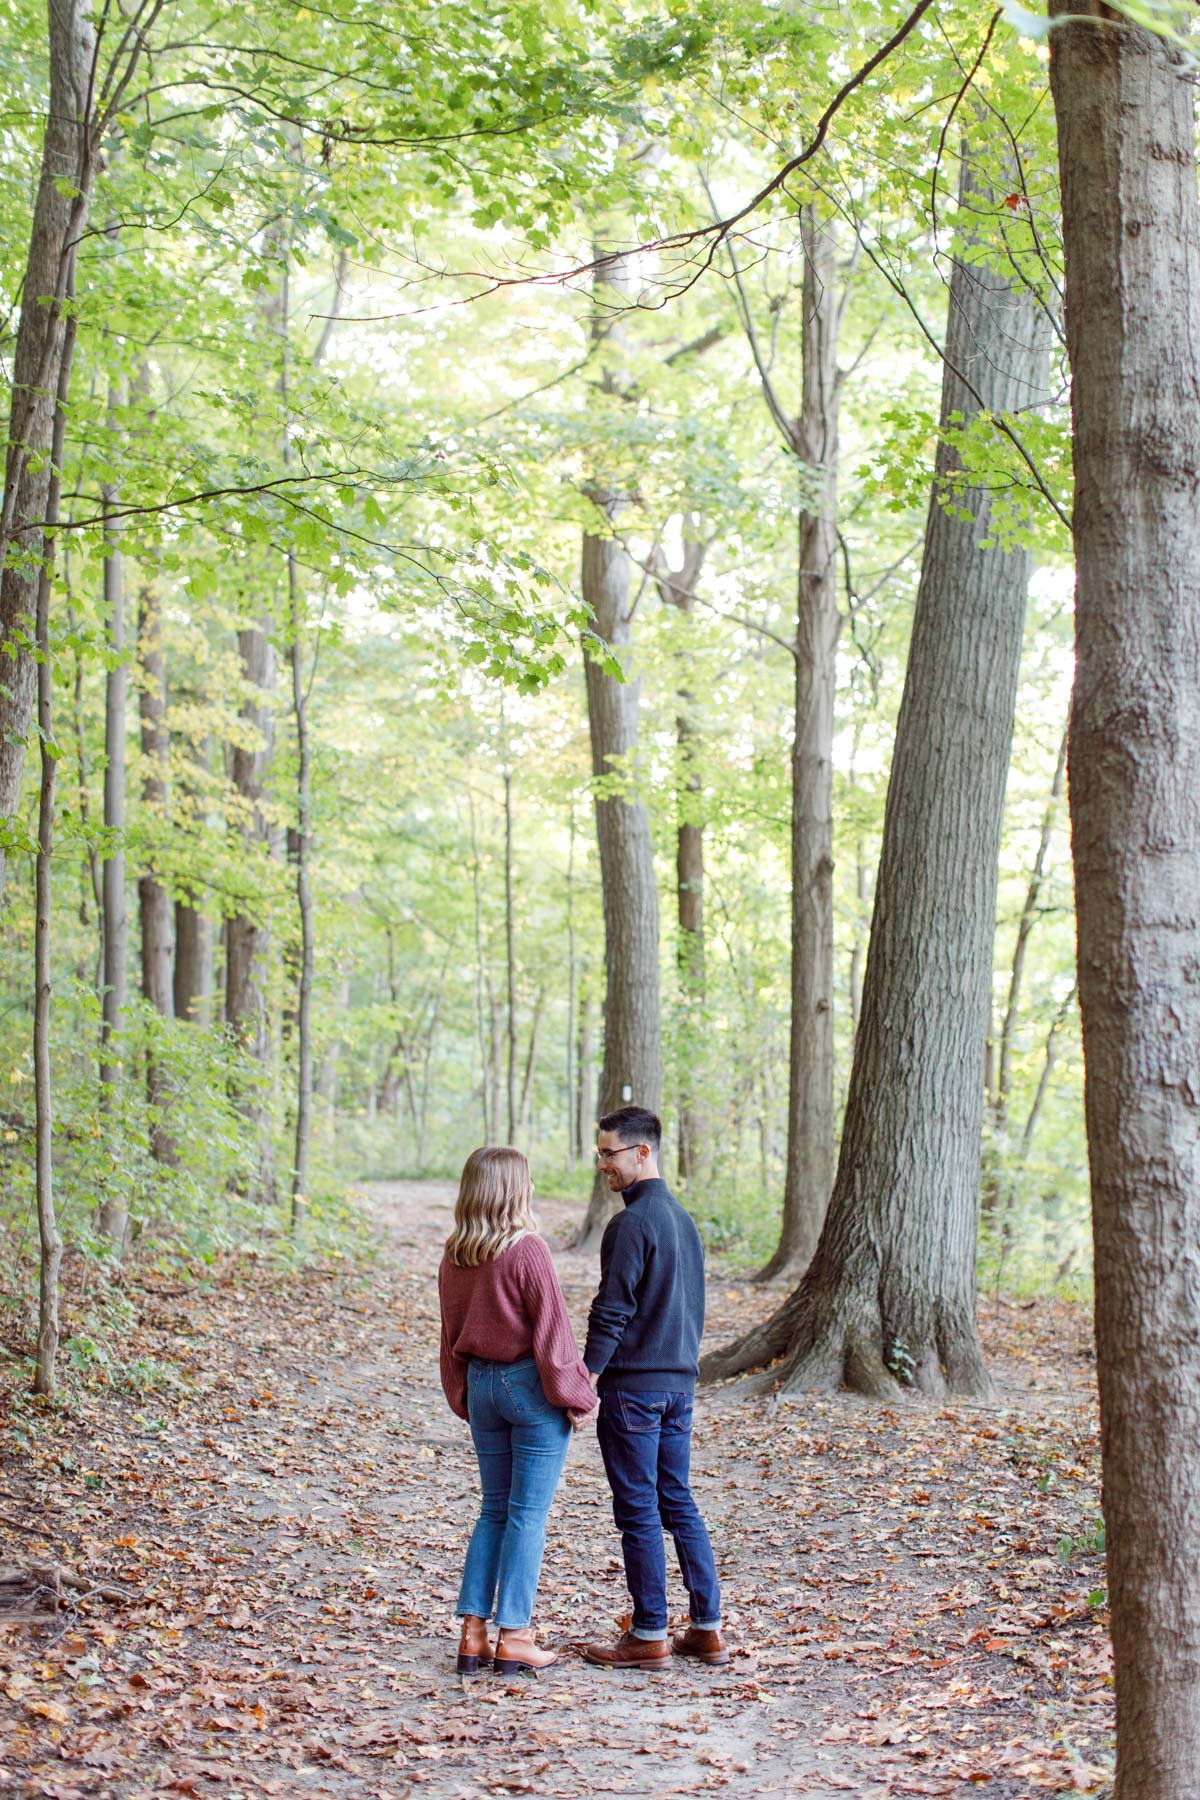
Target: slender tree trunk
<point>524,1113</point>
<point>84,797</point>
<point>997,1193</point>
<point>574,1145</point>
<point>114,1214</point>
<point>677,588</point>
<point>302,836</point>
<point>192,988</point>
<point>1131,226</point>
<point>1049,1059</point>
<point>585,1065</point>
<point>154,902</point>
<point>810,1146</point>
<point>485,1090</point>
<point>59,218</point>
<point>510,963</point>
<point>858,954</point>
<point>495,1053</point>
<point>633,1064</point>
<point>248,933</point>
<point>50,1238</point>
<point>889,1298</point>
<point>1025,925</point>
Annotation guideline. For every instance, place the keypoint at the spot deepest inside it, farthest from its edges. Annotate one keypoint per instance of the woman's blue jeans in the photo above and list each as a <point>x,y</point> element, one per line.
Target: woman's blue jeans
<point>521,1443</point>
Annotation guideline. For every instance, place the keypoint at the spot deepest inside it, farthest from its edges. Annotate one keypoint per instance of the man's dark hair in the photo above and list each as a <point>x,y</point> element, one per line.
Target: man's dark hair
<point>635,1125</point>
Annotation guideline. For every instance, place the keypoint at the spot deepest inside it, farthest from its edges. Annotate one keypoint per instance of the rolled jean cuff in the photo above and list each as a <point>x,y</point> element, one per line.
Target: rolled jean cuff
<point>649,1634</point>
<point>706,1624</point>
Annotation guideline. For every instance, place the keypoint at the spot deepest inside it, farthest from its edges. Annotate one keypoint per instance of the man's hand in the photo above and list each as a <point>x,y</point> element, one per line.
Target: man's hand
<point>594,1379</point>
<point>580,1419</point>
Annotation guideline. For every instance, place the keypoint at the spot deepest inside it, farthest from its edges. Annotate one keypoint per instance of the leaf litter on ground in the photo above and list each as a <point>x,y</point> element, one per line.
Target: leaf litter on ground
<point>914,1592</point>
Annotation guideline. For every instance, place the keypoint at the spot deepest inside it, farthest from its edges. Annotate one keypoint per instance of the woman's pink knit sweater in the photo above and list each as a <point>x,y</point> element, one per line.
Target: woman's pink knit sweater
<point>503,1310</point>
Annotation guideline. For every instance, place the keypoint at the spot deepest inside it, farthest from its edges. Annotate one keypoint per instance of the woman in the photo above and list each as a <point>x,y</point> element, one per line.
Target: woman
<point>511,1366</point>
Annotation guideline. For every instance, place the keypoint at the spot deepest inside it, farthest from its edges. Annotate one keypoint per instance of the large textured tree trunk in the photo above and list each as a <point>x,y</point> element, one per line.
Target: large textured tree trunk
<point>633,1067</point>
<point>248,933</point>
<point>809,1173</point>
<point>889,1298</point>
<point>59,217</point>
<point>1127,140</point>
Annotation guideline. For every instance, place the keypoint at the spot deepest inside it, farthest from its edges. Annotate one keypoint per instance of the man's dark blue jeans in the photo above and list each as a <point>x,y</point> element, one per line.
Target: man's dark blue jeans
<point>646,1443</point>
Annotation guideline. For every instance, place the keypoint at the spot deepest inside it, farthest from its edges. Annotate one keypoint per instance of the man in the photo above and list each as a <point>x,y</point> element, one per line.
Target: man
<point>642,1351</point>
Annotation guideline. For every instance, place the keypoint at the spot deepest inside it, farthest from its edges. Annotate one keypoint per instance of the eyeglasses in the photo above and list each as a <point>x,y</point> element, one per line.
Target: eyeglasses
<point>603,1156</point>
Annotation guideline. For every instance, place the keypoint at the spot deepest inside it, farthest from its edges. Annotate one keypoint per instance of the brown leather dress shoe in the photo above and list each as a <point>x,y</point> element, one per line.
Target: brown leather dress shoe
<point>629,1652</point>
<point>517,1654</point>
<point>474,1646</point>
<point>702,1646</point>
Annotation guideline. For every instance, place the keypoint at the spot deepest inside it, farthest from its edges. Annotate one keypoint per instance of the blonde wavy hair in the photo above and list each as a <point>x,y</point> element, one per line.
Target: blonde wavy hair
<point>494,1206</point>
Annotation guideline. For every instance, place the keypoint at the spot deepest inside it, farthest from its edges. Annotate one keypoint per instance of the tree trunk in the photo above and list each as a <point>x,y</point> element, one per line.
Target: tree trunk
<point>481,982</point>
<point>889,1298</point>
<point>677,588</point>
<point>633,1067</point>
<point>114,1215</point>
<point>59,218</point>
<point>193,964</point>
<point>1025,925</point>
<point>510,964</point>
<point>248,933</point>
<point>574,1144</point>
<point>193,984</point>
<point>525,1111</point>
<point>50,1238</point>
<point>154,902</point>
<point>585,1070</point>
<point>810,1146</point>
<point>302,837</point>
<point>1127,142</point>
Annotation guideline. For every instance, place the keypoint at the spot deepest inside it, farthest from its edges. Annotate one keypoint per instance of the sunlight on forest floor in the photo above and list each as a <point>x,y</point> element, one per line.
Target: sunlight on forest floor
<point>914,1593</point>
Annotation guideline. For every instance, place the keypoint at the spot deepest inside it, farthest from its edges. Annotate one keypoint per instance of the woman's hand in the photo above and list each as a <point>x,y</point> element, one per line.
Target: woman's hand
<point>580,1419</point>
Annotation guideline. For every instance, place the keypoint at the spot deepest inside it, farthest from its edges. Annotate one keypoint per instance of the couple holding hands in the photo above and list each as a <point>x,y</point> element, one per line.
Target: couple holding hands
<point>511,1367</point>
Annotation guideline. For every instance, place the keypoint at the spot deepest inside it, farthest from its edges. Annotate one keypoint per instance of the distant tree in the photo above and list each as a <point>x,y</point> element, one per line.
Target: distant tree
<point>889,1298</point>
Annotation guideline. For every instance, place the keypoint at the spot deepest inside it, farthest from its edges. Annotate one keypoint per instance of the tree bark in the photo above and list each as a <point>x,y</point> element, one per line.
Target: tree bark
<point>1127,140</point>
<point>248,933</point>
<point>50,1238</point>
<point>59,218</point>
<point>574,1143</point>
<point>193,964</point>
<point>510,965</point>
<point>585,1069</point>
<point>633,1065</point>
<point>810,1146</point>
<point>889,1298</point>
<point>154,902</point>
<point>677,588</point>
<point>114,1215</point>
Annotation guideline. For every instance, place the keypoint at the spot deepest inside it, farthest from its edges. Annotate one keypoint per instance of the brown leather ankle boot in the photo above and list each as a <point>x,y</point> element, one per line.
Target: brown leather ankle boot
<point>517,1654</point>
<point>474,1646</point>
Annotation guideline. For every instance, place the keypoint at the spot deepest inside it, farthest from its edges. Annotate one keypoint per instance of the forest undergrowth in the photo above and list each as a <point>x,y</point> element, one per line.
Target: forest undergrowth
<point>256,1544</point>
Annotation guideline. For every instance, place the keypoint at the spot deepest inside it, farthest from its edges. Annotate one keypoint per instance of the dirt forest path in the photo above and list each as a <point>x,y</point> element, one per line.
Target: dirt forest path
<point>289,1509</point>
